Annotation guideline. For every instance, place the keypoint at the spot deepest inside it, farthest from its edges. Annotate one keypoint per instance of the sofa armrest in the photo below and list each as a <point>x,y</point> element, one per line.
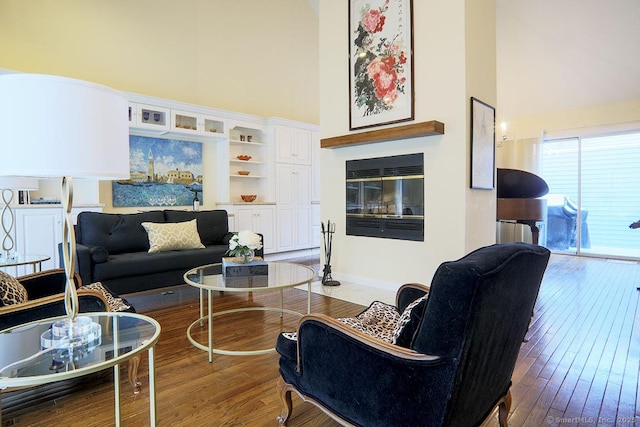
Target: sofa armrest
<point>84,261</point>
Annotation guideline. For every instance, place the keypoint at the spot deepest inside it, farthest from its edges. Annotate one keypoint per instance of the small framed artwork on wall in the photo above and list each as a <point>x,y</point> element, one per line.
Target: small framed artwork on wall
<point>483,138</point>
<point>380,62</point>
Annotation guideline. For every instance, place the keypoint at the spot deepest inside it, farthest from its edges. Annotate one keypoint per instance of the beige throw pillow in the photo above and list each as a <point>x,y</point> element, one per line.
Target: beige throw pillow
<point>11,291</point>
<point>170,236</point>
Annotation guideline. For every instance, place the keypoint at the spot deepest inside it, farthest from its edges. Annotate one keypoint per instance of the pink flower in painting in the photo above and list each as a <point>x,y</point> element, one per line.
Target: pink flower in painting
<point>374,21</point>
<point>384,77</point>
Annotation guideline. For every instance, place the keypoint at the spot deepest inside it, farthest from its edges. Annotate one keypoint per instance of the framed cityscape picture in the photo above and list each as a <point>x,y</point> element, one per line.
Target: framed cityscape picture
<point>380,62</point>
<point>163,172</point>
<point>483,136</point>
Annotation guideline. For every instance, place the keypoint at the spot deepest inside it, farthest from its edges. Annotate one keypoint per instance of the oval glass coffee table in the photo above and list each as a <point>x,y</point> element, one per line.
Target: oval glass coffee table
<point>209,278</point>
<point>120,337</point>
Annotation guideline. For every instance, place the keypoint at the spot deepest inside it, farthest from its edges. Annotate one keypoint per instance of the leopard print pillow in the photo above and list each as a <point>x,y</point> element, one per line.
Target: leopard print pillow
<point>378,321</point>
<point>11,291</point>
<point>115,304</point>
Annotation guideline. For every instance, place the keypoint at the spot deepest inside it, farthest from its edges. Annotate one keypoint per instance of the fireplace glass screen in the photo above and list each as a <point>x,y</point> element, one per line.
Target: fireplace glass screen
<point>385,197</point>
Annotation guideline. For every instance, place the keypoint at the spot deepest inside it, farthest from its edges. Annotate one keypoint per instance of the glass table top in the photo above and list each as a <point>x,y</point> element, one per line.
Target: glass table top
<point>16,260</point>
<point>280,275</point>
<point>24,362</point>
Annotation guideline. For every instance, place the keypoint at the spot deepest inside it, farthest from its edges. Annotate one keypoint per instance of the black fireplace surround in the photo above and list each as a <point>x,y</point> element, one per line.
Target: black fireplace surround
<point>385,197</point>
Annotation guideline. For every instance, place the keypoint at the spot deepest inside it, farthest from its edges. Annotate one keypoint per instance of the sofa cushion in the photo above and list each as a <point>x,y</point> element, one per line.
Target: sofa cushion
<point>173,236</point>
<point>11,291</point>
<point>212,225</point>
<point>118,233</point>
<point>138,264</point>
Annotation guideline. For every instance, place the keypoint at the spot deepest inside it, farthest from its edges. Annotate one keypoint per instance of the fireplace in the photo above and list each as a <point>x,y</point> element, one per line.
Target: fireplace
<point>385,197</point>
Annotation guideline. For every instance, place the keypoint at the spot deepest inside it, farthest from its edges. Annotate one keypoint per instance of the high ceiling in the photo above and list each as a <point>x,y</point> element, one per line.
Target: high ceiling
<point>558,55</point>
<point>555,55</point>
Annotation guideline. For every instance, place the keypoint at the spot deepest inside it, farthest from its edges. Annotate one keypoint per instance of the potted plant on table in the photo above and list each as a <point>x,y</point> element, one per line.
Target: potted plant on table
<point>243,245</point>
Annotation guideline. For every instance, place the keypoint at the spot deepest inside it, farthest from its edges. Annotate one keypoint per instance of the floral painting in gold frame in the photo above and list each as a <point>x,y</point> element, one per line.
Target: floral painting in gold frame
<point>380,62</point>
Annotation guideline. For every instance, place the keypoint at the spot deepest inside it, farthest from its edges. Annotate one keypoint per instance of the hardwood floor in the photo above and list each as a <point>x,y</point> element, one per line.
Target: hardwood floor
<point>580,365</point>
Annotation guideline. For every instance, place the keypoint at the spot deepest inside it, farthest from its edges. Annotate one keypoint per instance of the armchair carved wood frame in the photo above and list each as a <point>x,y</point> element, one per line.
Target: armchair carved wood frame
<point>457,367</point>
<point>46,299</point>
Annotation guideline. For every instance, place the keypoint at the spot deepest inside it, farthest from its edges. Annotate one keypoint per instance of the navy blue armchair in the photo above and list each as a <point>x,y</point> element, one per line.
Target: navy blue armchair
<point>454,367</point>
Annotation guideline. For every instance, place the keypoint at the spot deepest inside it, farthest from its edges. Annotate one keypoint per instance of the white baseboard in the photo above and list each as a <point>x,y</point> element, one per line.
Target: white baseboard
<point>302,253</point>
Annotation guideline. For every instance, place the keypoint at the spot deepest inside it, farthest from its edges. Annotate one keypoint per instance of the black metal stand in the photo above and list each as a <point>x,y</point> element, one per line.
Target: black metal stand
<point>327,234</point>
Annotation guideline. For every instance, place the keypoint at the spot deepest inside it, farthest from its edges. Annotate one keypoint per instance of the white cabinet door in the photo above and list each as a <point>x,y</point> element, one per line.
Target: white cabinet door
<point>38,232</point>
<point>303,226</point>
<point>264,221</point>
<point>285,144</point>
<point>244,218</point>
<point>285,185</point>
<point>259,219</point>
<point>286,228</point>
<point>293,145</point>
<point>293,198</point>
<point>302,153</point>
<point>302,183</point>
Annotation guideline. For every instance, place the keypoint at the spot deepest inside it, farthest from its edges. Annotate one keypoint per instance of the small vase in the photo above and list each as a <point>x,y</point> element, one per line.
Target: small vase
<point>246,257</point>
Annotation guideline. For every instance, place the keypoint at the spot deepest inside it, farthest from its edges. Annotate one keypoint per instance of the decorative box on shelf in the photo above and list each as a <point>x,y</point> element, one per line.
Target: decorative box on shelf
<point>232,268</point>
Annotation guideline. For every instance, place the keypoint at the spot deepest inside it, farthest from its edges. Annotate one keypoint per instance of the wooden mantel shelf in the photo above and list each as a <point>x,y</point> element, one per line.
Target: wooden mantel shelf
<point>388,134</point>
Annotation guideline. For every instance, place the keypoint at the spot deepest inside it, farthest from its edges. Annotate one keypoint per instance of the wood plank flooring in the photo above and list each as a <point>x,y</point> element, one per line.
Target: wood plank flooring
<point>579,367</point>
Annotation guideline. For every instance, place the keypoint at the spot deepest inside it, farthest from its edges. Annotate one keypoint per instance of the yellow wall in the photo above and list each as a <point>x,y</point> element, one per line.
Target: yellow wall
<point>521,149</point>
<point>443,31</point>
<point>251,56</point>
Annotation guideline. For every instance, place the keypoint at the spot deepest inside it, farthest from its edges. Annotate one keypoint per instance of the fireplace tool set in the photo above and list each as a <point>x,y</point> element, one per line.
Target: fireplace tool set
<point>327,234</point>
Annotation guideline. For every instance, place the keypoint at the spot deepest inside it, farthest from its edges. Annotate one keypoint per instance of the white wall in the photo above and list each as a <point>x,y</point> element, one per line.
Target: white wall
<point>441,93</point>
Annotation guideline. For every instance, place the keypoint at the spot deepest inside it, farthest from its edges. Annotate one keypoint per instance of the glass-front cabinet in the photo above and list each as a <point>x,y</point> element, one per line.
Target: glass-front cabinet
<point>149,117</point>
<point>196,124</point>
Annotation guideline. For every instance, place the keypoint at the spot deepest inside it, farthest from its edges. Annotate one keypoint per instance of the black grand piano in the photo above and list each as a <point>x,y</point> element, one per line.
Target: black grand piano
<point>519,200</point>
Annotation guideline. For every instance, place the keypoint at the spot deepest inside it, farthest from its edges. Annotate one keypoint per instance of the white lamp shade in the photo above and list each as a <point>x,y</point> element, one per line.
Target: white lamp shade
<point>18,183</point>
<point>53,126</point>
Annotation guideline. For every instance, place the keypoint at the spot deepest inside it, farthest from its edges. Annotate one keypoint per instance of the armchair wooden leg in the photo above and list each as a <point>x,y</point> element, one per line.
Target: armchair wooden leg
<point>134,364</point>
<point>287,404</point>
<point>503,409</point>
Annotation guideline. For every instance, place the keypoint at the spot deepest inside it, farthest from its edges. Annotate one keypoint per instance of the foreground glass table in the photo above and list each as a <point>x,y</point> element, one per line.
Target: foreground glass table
<point>281,275</point>
<point>121,337</point>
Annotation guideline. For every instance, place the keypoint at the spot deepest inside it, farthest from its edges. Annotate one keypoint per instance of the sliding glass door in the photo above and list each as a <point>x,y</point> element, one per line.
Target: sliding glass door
<point>594,194</point>
<point>560,169</point>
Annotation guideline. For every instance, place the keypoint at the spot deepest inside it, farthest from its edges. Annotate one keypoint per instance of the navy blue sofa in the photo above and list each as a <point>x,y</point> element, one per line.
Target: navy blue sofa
<point>113,249</point>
